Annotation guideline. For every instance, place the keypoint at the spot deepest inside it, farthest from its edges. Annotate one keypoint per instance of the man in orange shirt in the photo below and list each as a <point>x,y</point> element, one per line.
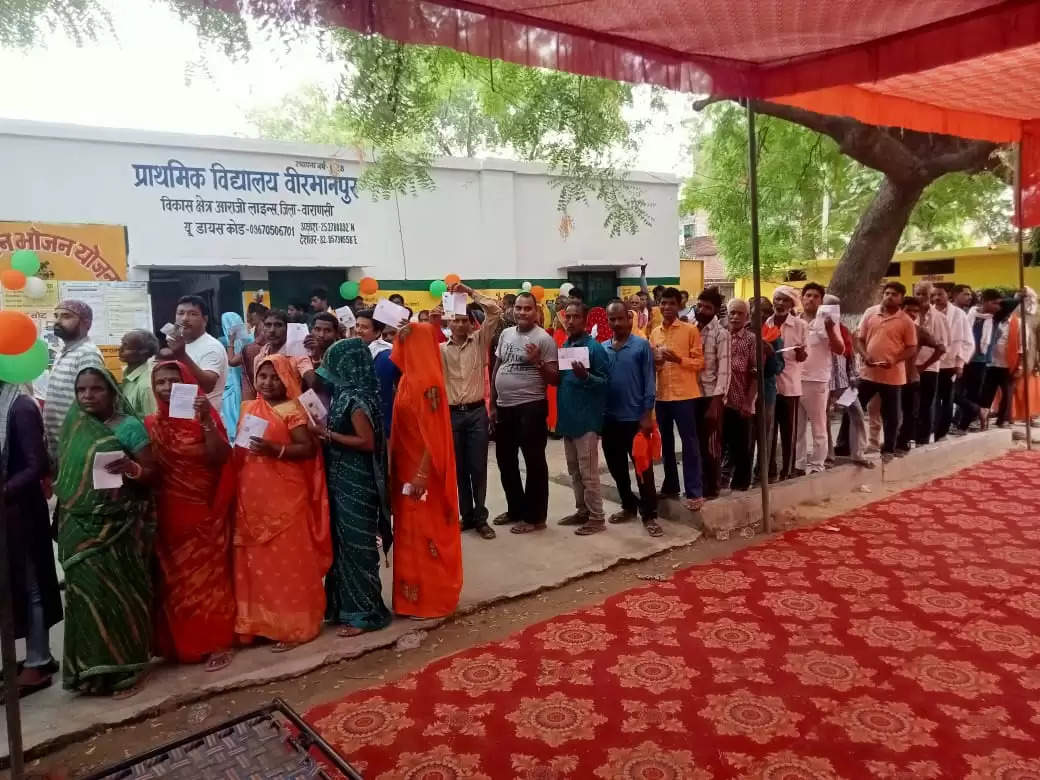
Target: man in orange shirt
<point>886,339</point>
<point>679,357</point>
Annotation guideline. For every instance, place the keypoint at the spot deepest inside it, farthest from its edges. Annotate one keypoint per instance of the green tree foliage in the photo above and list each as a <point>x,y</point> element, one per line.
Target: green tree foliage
<point>811,196</point>
<point>403,105</point>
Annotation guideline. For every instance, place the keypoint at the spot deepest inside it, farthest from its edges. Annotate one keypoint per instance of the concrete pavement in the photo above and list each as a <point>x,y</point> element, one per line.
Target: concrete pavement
<point>502,568</point>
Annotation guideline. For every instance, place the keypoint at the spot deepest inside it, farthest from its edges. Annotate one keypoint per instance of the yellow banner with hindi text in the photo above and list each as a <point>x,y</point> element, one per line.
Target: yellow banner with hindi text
<point>69,252</point>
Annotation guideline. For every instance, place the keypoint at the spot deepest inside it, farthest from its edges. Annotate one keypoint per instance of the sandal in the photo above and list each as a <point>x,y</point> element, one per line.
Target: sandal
<point>218,661</point>
<point>527,528</point>
<point>503,519</point>
<point>590,528</point>
<point>284,647</point>
<point>693,504</point>
<point>348,631</point>
<point>578,518</point>
<point>486,531</point>
<point>621,517</point>
<point>652,528</point>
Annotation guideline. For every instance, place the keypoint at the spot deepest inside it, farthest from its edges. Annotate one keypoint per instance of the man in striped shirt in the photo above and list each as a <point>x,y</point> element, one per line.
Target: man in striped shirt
<point>72,321</point>
<point>714,380</point>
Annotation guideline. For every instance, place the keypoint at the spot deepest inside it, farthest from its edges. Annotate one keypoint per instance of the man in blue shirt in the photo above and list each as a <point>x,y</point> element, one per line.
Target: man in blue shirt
<point>580,402</point>
<point>631,391</point>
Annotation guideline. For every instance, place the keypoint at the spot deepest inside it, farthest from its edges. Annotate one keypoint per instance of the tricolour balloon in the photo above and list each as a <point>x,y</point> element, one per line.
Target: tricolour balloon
<point>12,279</point>
<point>35,287</point>
<point>526,287</point>
<point>565,288</point>
<point>438,288</point>
<point>17,332</point>
<point>452,279</point>
<point>26,366</point>
<point>349,290</point>
<point>369,286</point>
<point>26,261</point>
<point>538,292</point>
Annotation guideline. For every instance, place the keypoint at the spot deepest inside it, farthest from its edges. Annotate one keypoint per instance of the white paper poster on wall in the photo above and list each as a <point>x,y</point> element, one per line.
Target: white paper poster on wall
<point>118,307</point>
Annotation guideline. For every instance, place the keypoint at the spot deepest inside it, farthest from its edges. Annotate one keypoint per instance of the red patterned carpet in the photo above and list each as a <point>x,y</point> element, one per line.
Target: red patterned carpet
<point>903,645</point>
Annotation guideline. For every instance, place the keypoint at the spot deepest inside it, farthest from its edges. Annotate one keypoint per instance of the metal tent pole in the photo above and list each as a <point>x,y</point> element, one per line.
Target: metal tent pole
<point>7,647</point>
<point>1026,368</point>
<point>756,321</point>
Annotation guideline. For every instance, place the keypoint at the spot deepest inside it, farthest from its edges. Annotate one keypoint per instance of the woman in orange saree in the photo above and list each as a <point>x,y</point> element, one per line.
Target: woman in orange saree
<point>282,546</point>
<point>195,615</point>
<point>424,493</point>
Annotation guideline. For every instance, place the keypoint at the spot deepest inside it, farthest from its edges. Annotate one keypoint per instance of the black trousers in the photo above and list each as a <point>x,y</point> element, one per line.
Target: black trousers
<point>786,423</point>
<point>470,432</point>
<point>910,397</point>
<point>944,402</point>
<point>889,409</point>
<point>736,438</point>
<point>709,437</point>
<point>617,441</point>
<point>968,402</point>
<point>918,402</point>
<point>522,429</point>
<point>998,378</point>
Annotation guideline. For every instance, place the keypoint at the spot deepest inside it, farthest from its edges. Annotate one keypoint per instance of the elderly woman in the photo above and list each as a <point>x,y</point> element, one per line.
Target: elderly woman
<point>105,540</point>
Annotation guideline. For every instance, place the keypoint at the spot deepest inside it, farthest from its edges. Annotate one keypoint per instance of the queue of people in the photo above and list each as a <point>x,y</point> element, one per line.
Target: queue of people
<point>174,545</point>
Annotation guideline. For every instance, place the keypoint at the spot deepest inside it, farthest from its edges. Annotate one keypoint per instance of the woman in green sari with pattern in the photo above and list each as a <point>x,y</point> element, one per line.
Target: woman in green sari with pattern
<point>105,541</point>
<point>355,461</point>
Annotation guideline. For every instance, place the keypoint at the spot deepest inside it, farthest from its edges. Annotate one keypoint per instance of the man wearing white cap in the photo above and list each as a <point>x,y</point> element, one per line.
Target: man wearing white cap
<point>794,333</point>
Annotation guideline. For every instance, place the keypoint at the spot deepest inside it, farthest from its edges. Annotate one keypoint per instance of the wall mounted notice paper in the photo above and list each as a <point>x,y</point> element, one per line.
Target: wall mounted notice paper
<point>182,401</point>
<point>391,314</point>
<point>102,479</point>
<point>248,428</point>
<point>315,408</point>
<point>568,356</point>
<point>454,304</point>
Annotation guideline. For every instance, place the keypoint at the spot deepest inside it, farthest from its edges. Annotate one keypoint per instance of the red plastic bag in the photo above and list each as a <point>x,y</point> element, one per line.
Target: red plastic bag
<point>646,450</point>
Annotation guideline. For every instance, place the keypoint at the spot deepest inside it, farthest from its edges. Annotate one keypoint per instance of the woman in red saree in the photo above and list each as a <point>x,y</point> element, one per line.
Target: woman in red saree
<point>427,541</point>
<point>282,547</point>
<point>195,615</point>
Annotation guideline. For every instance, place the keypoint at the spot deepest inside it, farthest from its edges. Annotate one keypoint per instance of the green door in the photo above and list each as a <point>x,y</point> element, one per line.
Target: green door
<point>295,286</point>
<point>599,286</point>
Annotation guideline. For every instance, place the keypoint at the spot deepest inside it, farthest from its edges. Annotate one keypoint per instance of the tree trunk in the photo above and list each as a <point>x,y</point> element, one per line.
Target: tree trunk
<point>873,244</point>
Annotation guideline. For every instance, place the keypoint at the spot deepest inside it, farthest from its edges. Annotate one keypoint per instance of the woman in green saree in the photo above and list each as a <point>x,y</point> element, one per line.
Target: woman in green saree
<point>355,460</point>
<point>105,541</point>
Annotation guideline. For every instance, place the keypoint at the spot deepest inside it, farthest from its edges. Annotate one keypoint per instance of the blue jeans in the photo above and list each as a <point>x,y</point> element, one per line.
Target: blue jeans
<point>37,640</point>
<point>683,415</point>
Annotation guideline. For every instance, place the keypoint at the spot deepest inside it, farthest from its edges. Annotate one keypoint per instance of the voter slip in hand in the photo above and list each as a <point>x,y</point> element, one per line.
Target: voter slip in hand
<point>568,356</point>
<point>182,401</point>
<point>248,428</point>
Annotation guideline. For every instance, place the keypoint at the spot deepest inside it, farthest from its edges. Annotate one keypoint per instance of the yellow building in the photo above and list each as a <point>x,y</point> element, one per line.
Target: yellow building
<point>984,266</point>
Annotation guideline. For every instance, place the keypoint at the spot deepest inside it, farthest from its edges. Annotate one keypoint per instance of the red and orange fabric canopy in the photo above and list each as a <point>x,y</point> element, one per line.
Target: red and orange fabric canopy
<point>962,67</point>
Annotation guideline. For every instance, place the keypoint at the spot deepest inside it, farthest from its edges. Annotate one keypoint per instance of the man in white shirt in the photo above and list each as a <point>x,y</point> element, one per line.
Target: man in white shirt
<point>951,365</point>
<point>370,331</point>
<point>823,339</point>
<point>203,355</point>
<point>794,332</point>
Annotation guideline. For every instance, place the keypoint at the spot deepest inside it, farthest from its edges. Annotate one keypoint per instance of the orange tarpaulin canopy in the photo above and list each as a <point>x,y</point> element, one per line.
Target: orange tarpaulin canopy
<point>962,67</point>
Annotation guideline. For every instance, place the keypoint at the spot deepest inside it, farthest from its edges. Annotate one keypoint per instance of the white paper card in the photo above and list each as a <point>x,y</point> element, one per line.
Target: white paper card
<point>454,304</point>
<point>568,356</point>
<point>346,318</point>
<point>848,397</point>
<point>391,314</point>
<point>102,479</point>
<point>787,349</point>
<point>168,329</point>
<point>830,311</point>
<point>248,428</point>
<point>182,401</point>
<point>295,333</point>
<point>315,408</point>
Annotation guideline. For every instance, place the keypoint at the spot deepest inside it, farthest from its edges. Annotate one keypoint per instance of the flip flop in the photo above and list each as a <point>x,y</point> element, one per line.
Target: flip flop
<point>503,519</point>
<point>346,632</point>
<point>621,517</point>
<point>575,519</point>
<point>590,528</point>
<point>284,647</point>
<point>653,529</point>
<point>694,504</point>
<point>218,661</point>
<point>527,528</point>
<point>486,532</point>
